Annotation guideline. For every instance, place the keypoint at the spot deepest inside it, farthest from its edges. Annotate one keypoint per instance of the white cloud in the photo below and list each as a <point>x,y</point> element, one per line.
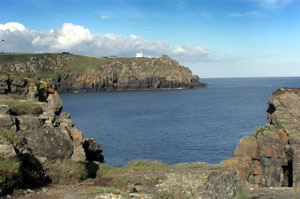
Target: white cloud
<point>79,40</point>
<point>105,17</point>
<point>246,14</point>
<point>12,27</point>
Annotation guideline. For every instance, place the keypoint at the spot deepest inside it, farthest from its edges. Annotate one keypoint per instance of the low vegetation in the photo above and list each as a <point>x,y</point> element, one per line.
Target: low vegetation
<point>19,105</point>
<point>241,193</point>
<point>11,136</point>
<point>9,168</point>
<point>261,130</point>
<point>69,171</point>
<point>279,124</point>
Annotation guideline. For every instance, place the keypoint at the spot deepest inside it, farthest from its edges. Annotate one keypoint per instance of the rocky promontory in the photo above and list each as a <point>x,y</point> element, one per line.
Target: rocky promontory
<point>67,72</point>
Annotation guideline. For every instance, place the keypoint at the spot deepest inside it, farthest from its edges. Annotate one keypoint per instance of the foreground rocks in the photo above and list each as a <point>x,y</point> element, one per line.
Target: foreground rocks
<point>270,158</point>
<point>68,72</point>
<point>36,137</point>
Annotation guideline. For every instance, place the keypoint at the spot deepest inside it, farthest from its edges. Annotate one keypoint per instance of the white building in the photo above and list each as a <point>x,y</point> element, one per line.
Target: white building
<point>140,54</point>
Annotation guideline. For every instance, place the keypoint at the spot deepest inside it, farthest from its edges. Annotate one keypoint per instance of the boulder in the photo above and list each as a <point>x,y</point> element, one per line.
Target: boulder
<point>7,122</point>
<point>52,143</point>
<point>92,150</point>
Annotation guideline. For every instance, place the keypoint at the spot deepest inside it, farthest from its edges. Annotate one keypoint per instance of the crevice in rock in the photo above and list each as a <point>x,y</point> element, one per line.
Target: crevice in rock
<point>271,108</point>
<point>288,174</point>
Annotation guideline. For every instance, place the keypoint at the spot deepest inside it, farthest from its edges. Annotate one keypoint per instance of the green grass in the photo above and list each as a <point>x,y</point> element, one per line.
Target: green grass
<point>84,63</point>
<point>19,105</point>
<point>241,193</point>
<point>135,165</point>
<point>11,136</point>
<point>261,130</point>
<point>66,171</point>
<point>279,124</point>
<point>9,168</point>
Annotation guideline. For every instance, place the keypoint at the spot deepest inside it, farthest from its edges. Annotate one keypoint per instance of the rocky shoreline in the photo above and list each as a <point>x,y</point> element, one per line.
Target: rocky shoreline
<point>74,73</point>
<point>39,145</point>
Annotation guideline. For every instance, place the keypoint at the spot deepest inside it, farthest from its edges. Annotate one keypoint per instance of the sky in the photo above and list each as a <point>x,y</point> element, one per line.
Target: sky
<point>214,38</point>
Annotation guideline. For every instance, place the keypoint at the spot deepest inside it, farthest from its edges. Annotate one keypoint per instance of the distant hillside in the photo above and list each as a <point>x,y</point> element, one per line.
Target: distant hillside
<point>67,72</point>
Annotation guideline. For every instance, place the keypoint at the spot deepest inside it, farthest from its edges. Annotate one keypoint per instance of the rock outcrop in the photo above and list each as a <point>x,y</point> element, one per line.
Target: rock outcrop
<point>271,157</point>
<point>68,72</point>
<point>33,131</point>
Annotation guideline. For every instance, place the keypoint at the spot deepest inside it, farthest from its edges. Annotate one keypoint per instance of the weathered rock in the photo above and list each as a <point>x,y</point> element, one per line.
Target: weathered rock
<point>274,149</point>
<point>7,122</point>
<point>200,181</point>
<point>52,143</point>
<point>28,122</point>
<point>246,148</point>
<point>284,109</point>
<point>6,149</point>
<point>92,150</point>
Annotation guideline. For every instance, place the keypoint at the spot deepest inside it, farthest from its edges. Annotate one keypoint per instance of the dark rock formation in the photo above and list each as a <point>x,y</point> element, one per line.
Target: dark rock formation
<point>33,131</point>
<point>271,157</point>
<point>78,73</point>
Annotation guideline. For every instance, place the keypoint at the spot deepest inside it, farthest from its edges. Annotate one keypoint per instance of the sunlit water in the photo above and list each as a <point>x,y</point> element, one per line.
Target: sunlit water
<point>174,125</point>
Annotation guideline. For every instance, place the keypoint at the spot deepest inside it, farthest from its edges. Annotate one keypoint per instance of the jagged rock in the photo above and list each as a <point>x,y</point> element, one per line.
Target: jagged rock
<point>246,147</point>
<point>284,109</point>
<point>52,143</point>
<point>274,150</point>
<point>92,150</point>
<point>47,136</point>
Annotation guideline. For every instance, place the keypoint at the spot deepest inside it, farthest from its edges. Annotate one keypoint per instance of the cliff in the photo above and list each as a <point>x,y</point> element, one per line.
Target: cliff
<point>38,143</point>
<point>271,157</point>
<point>66,72</point>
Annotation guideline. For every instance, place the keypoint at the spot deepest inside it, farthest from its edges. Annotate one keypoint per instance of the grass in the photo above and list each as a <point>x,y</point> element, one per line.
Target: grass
<point>135,165</point>
<point>261,130</point>
<point>241,193</point>
<point>66,171</point>
<point>11,136</point>
<point>19,105</point>
<point>9,168</point>
<point>279,124</point>
<point>84,63</point>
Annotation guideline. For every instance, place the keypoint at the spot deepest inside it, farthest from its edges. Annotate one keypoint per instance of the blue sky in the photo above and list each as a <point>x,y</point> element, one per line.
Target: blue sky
<point>214,38</point>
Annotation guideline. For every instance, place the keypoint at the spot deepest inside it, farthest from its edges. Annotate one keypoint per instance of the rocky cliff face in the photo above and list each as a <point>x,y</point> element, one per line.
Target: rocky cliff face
<point>33,131</point>
<point>271,157</point>
<point>79,73</point>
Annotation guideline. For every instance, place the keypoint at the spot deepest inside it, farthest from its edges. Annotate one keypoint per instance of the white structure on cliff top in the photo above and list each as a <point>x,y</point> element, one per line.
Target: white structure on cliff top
<point>140,54</point>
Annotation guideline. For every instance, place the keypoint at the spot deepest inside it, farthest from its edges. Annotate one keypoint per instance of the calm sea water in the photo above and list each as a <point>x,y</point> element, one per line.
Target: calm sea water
<point>174,125</point>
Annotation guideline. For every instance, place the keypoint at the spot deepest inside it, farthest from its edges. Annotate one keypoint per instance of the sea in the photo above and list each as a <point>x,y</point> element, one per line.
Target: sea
<point>174,126</point>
